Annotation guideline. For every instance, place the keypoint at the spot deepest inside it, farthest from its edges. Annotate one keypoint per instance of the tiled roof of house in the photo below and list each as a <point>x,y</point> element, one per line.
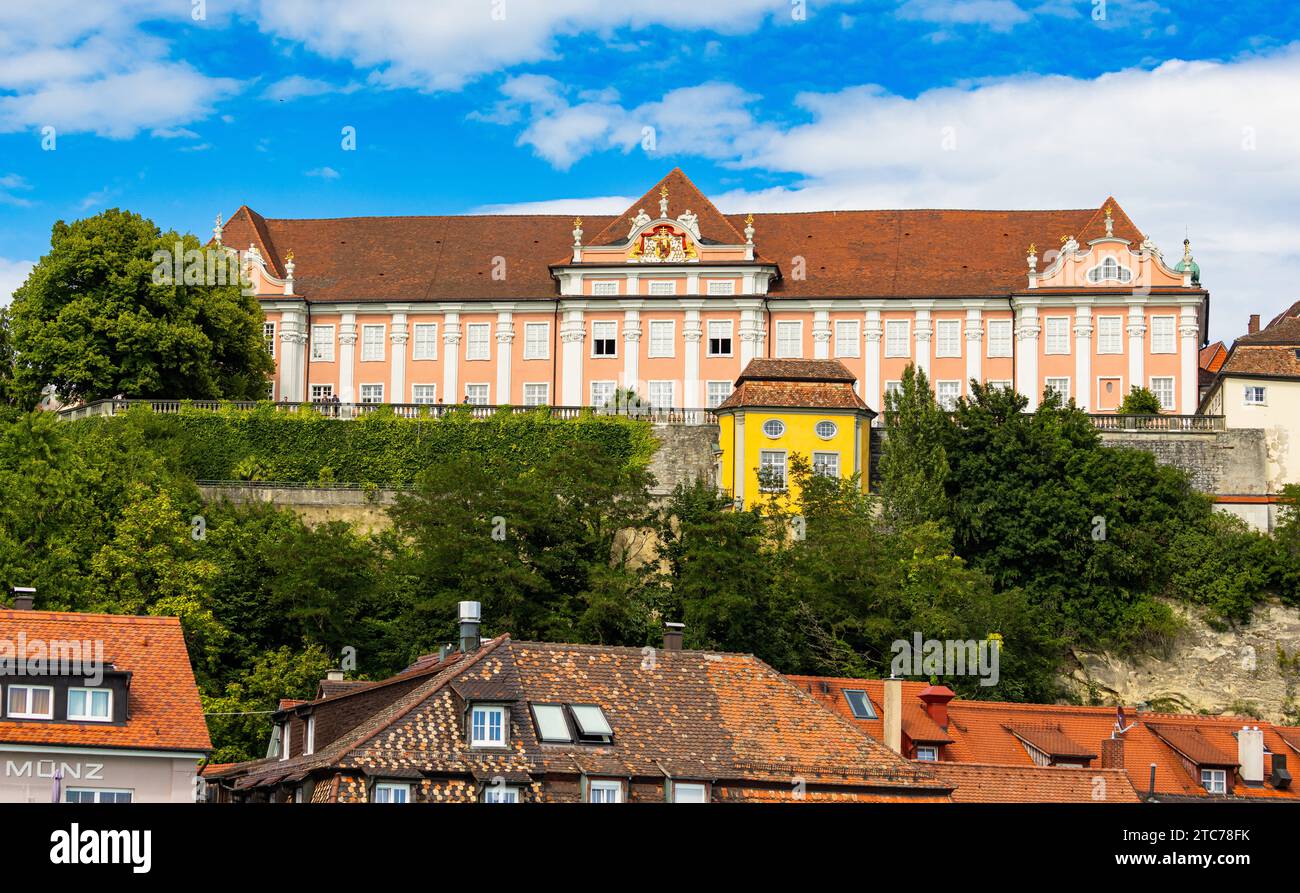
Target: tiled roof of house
<point>983,783</point>
<point>796,370</point>
<point>795,384</point>
<point>164,711</point>
<point>843,253</point>
<point>1273,351</point>
<point>1212,356</point>
<point>1051,739</point>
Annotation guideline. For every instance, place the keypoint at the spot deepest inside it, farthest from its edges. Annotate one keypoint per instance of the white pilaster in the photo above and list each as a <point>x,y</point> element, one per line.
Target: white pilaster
<point>348,357</point>
<point>1028,328</point>
<point>1189,333</point>
<point>451,356</point>
<point>691,334</point>
<point>573,332</point>
<point>750,336</point>
<point>505,351</point>
<point>293,336</point>
<point>632,350</point>
<point>821,333</point>
<point>974,346</point>
<point>397,367</point>
<point>738,462</point>
<point>871,334</point>
<point>1083,386</point>
<point>922,329</point>
<point>1137,347</point>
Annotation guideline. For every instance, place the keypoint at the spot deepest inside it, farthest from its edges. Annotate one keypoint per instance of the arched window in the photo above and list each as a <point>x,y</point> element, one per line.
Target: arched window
<point>1110,270</point>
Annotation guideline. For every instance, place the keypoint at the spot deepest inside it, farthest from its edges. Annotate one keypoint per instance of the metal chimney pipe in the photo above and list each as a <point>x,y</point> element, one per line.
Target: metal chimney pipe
<point>673,636</point>
<point>24,598</point>
<point>470,616</point>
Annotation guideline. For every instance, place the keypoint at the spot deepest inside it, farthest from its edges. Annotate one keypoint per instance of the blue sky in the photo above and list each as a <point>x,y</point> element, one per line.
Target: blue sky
<point>1189,113</point>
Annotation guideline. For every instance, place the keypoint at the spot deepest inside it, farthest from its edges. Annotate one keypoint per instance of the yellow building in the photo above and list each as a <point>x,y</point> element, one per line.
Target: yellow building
<point>783,407</point>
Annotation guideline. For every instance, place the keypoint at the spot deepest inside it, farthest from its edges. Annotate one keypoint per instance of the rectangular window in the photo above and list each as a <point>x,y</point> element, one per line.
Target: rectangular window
<point>605,792</point>
<point>847,341</point>
<point>476,394</point>
<point>426,394</point>
<point>537,340</point>
<point>999,383</point>
<point>1162,335</point>
<point>1215,781</point>
<point>898,338</point>
<point>721,287</point>
<point>31,702</point>
<point>892,387</point>
<point>96,795</point>
<point>927,754</point>
<point>321,392</point>
<point>1110,334</point>
<point>718,391</point>
<point>322,343</point>
<point>500,794</point>
<point>1163,388</point>
<point>372,393</point>
<point>286,739</point>
<point>859,704</point>
<point>604,288</point>
<point>789,339</point>
<point>392,792</point>
<point>1056,334</point>
<point>478,338</point>
<point>662,332</point>
<point>660,394</point>
<point>690,792</point>
<point>602,393</point>
<point>268,335</point>
<point>425,341</point>
<point>826,463</point>
<point>90,704</point>
<point>998,333</point>
<point>719,338</point>
<point>604,337</point>
<point>487,726</point>
<point>372,342</point>
<point>947,338</point>
<point>551,724</point>
<point>946,393</point>
<point>1060,386</point>
<point>309,737</point>
<point>1256,395</point>
<point>771,470</point>
<point>591,722</point>
<point>663,287</point>
<point>537,394</point>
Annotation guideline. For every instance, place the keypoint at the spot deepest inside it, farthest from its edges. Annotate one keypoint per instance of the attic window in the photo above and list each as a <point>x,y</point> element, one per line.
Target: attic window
<point>592,725</point>
<point>551,724</point>
<point>1110,270</point>
<point>859,704</point>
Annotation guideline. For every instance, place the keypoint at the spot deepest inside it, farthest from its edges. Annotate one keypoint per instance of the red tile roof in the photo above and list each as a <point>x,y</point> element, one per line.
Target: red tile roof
<point>795,384</point>
<point>164,710</point>
<point>982,783</point>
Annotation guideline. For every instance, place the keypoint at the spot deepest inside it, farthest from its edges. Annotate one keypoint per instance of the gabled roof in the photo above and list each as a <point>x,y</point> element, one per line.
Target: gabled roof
<point>1050,739</point>
<point>1189,742</point>
<point>761,369</point>
<point>1272,352</point>
<point>164,710</point>
<point>795,384</point>
<point>683,195</point>
<point>1212,356</point>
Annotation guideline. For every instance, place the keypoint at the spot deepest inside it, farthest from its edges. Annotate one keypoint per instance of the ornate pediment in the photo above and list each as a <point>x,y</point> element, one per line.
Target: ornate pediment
<point>663,243</point>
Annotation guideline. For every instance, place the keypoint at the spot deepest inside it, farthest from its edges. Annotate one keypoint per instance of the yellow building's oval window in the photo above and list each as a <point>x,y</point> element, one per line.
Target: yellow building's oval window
<point>826,429</point>
<point>774,428</point>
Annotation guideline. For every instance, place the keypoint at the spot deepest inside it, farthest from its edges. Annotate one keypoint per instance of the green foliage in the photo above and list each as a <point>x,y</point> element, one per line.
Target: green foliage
<point>913,463</point>
<point>92,321</point>
<point>1221,563</point>
<point>1140,401</point>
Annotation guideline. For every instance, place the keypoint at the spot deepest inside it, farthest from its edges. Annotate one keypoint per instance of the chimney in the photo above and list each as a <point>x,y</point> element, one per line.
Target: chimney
<point>470,615</point>
<point>1280,779</point>
<point>673,636</point>
<point>24,598</point>
<point>1250,755</point>
<point>894,714</point>
<point>936,698</point>
<point>334,676</point>
<point>1253,326</point>
<point>1112,753</point>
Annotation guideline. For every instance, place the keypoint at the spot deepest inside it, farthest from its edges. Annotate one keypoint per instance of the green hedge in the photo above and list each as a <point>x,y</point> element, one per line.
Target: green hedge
<point>381,449</point>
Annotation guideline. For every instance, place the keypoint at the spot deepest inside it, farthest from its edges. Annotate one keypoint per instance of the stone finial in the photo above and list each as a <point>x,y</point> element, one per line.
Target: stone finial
<point>217,230</point>
<point>577,232</point>
<point>663,200</point>
<point>1031,256</point>
<point>1187,249</point>
<point>288,272</point>
<point>749,229</point>
<point>1110,223</point>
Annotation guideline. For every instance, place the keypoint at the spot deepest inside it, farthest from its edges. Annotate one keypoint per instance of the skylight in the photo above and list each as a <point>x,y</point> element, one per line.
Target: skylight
<point>591,721</point>
<point>551,725</point>
<point>860,704</point>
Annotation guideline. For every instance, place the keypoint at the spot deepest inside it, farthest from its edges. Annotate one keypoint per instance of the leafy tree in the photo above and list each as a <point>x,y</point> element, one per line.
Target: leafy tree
<point>913,462</point>
<point>1221,563</point>
<point>92,321</point>
<point>1140,401</point>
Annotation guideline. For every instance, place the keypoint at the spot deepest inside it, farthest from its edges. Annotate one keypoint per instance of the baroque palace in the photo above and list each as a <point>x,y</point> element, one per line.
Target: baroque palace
<point>673,299</point>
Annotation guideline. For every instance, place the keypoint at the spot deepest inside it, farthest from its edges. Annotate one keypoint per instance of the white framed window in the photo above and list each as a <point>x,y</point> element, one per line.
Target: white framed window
<point>998,334</point>
<point>848,341</point>
<point>286,738</point>
<point>1060,386</point>
<point>478,341</point>
<point>372,393</point>
<point>270,389</point>
<point>774,428</point>
<point>30,702</point>
<point>1162,335</point>
<point>717,392</point>
<point>1110,270</point>
<point>392,792</point>
<point>660,287</point>
<point>789,339</point>
<point>771,470</point>
<point>321,392</point>
<point>90,704</point>
<point>602,392</point>
<point>927,753</point>
<point>719,338</point>
<point>604,288</point>
<point>893,387</point>
<point>424,341</point>
<point>999,383</point>
<point>1256,395</point>
<point>1110,334</point>
<point>537,340</point>
<point>826,429</point>
<point>309,735</point>
<point>946,394</point>
<point>487,726</point>
<point>660,394</point>
<point>537,393</point>
<point>604,338</point>
<point>97,795</point>
<point>721,287</point>
<point>322,343</point>
<point>898,338</point>
<point>826,463</point>
<point>604,791</point>
<point>1215,781</point>
<point>662,334</point>
<point>947,338</point>
<point>425,394</point>
<point>495,793</point>
<point>690,792</point>
<point>1056,334</point>
<point>476,394</point>
<point>268,335</point>
<point>372,342</point>
<point>1163,387</point>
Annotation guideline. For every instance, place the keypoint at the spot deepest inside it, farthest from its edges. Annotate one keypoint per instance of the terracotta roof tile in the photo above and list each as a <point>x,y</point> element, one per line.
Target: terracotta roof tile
<point>1051,739</point>
<point>982,783</point>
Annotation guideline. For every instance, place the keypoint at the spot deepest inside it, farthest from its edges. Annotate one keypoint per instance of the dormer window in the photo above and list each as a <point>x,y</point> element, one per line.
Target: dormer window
<point>30,702</point>
<point>284,739</point>
<point>309,737</point>
<point>927,753</point>
<point>487,726</point>
<point>1110,270</point>
<point>392,792</point>
<point>552,727</point>
<point>591,722</point>
<point>90,704</point>
<point>1215,781</point>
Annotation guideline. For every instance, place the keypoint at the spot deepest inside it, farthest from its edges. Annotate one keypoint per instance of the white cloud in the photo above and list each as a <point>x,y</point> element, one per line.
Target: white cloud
<point>296,86</point>
<point>10,186</point>
<point>13,273</point>
<point>999,15</point>
<point>324,173</point>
